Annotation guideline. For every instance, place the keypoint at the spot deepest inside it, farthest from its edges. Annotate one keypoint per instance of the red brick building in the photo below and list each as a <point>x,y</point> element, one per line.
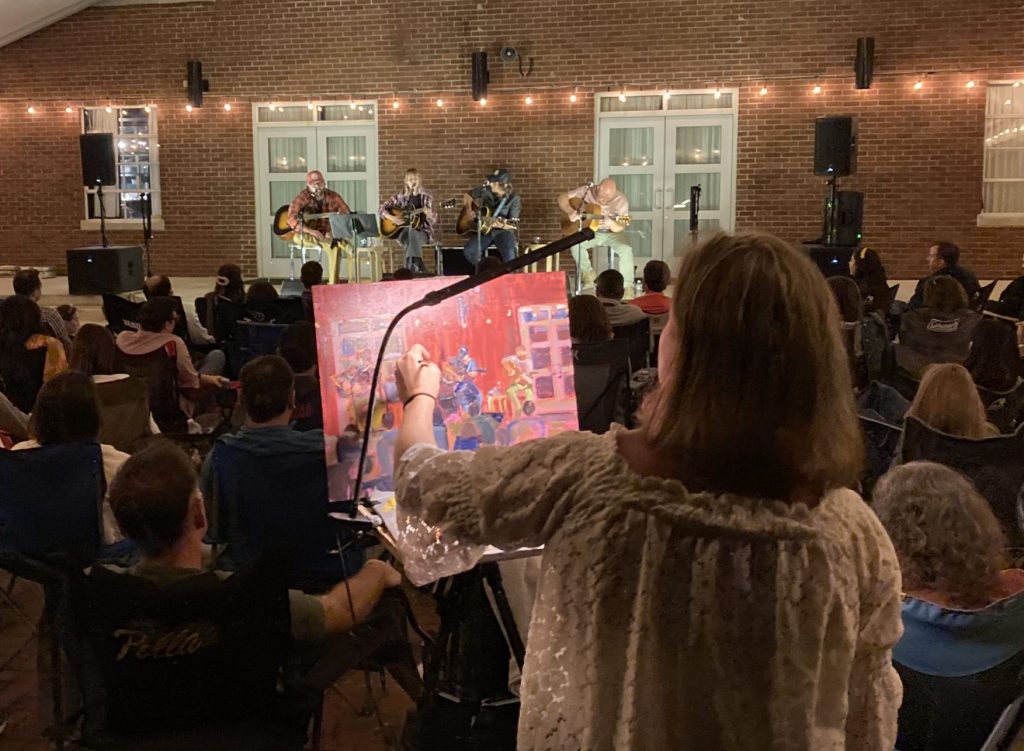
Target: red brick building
<point>921,151</point>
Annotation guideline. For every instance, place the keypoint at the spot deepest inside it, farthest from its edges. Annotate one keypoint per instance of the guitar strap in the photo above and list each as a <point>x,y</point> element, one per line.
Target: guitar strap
<point>500,206</point>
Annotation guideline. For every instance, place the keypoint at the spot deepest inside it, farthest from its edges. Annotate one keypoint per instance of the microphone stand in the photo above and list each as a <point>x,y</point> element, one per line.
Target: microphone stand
<point>694,212</point>
<point>103,215</point>
<point>580,251</point>
<point>479,222</point>
<point>147,229</point>
<point>437,297</point>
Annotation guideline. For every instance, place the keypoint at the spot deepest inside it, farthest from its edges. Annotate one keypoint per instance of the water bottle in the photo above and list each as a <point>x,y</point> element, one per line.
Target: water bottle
<point>638,283</point>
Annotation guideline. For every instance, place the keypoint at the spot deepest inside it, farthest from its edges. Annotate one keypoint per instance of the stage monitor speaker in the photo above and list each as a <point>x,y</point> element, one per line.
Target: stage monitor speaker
<point>98,163</point>
<point>864,67</point>
<point>835,146</point>
<point>480,76</point>
<point>94,270</point>
<point>849,217</point>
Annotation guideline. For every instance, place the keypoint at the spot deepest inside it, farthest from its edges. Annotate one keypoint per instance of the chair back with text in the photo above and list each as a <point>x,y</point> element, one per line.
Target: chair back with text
<point>180,653</point>
<point>50,501</point>
<point>124,412</point>
<point>601,380</point>
<point>21,376</point>
<point>159,369</point>
<point>994,465</point>
<point>639,337</point>
<point>121,314</point>
<point>282,502</point>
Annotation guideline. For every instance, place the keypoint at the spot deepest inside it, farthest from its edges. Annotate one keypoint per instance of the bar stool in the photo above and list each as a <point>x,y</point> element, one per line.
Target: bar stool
<point>302,247</point>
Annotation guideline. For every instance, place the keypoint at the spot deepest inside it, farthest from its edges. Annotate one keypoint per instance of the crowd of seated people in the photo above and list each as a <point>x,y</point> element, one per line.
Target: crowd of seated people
<point>786,385</point>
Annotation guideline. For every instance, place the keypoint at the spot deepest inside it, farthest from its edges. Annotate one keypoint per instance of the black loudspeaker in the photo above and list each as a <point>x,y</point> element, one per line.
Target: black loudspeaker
<point>480,76</point>
<point>195,83</point>
<point>849,217</point>
<point>94,270</point>
<point>835,146</point>
<point>98,163</point>
<point>864,67</point>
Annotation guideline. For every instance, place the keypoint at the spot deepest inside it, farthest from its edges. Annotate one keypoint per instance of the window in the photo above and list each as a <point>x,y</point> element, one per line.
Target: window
<point>136,151</point>
<point>1003,176</point>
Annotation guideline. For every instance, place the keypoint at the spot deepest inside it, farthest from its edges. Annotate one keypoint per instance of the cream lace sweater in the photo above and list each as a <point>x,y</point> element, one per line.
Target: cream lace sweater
<point>677,621</point>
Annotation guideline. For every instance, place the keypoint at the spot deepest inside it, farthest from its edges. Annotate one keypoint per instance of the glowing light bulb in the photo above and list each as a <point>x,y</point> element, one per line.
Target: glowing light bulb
<point>227,107</point>
<point>1008,102</point>
<point>918,85</point>
<point>816,90</point>
<point>394,104</point>
<point>622,97</point>
<point>439,102</point>
<point>1016,84</point>
<point>309,106</point>
<point>319,108</point>
<point>31,110</point>
<point>148,108</point>
<point>68,109</point>
<point>763,91</point>
<point>718,93</point>
<point>573,98</point>
<point>108,109</point>
<point>970,84</point>
<point>351,105</point>
<point>188,107</point>
<point>483,102</point>
<point>528,100</point>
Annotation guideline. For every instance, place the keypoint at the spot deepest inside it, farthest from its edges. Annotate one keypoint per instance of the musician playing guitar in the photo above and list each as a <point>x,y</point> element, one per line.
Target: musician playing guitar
<point>317,198</point>
<point>409,216</point>
<point>503,205</point>
<point>613,204</point>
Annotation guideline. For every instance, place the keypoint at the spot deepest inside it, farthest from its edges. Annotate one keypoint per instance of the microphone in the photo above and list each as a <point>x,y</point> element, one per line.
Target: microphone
<point>438,296</point>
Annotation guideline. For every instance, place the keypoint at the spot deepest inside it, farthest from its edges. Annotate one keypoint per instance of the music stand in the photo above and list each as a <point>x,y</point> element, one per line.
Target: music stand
<point>355,228</point>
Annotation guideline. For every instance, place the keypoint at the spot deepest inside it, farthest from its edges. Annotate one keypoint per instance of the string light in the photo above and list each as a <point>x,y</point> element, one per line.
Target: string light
<point>68,109</point>
<point>970,84</point>
<point>622,96</point>
<point>188,107</point>
<point>351,105</point>
<point>108,109</point>
<point>309,106</point>
<point>227,107</point>
<point>763,91</point>
<point>528,99</point>
<point>394,104</point>
<point>573,97</point>
<point>148,108</point>
<point>1016,84</point>
<point>918,85</point>
<point>816,89</point>
<point>319,108</point>
<point>718,93</point>
<point>31,110</point>
<point>439,102</point>
<point>483,102</point>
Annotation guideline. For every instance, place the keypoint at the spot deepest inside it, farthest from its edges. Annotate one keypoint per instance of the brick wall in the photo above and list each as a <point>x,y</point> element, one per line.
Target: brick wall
<point>920,156</point>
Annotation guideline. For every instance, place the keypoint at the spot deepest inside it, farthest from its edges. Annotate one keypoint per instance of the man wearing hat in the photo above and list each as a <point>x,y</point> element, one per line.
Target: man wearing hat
<point>317,198</point>
<point>504,205</point>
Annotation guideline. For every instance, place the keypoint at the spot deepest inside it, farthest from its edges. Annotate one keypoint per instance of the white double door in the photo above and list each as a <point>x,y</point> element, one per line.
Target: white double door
<point>347,155</point>
<point>656,161</point>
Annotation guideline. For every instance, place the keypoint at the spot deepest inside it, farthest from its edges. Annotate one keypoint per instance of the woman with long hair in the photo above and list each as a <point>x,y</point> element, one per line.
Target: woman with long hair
<point>867,271</point>
<point>22,332</point>
<point>947,400</point>
<point>993,362</point>
<point>700,570</point>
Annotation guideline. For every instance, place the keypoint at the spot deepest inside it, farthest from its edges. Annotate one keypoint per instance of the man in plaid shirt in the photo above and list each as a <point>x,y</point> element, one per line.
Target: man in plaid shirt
<point>317,198</point>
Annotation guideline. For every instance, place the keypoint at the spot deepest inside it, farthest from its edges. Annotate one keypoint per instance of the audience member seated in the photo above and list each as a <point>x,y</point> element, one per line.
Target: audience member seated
<point>21,340</point>
<point>947,400</point>
<point>1011,301</point>
<point>962,608</point>
<point>66,412</point>
<point>95,354</point>
<point>403,274</point>
<point>160,286</point>
<point>228,286</point>
<point>157,318</point>
<point>610,288</point>
<point>654,301</point>
<point>69,314</point>
<point>588,320</point>
<point>298,348</point>
<point>941,331</point>
<point>851,314</point>
<point>27,283</point>
<point>311,274</point>
<point>663,618</point>
<point>867,271</point>
<point>944,260</point>
<point>261,292</point>
<point>157,503</point>
<point>993,362</point>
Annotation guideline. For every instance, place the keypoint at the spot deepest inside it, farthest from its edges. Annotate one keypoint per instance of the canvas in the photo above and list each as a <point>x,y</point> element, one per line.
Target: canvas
<point>505,356</point>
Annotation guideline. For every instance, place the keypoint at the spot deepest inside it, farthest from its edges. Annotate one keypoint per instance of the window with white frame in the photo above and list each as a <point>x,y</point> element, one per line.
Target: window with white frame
<point>1003,176</point>
<point>136,151</point>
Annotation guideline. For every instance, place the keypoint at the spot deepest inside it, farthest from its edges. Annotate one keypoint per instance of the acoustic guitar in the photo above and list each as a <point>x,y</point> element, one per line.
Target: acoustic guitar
<point>414,219</point>
<point>591,215</point>
<point>280,226</point>
<point>466,223</point>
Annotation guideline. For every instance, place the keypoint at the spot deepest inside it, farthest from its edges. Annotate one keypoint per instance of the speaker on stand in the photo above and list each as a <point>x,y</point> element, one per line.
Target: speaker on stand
<point>99,168</point>
<point>835,156</point>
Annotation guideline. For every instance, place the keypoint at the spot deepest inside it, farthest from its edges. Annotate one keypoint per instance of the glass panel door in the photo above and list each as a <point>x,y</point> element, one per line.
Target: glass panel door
<point>350,165</point>
<point>285,155</point>
<point>698,151</point>
<point>631,151</point>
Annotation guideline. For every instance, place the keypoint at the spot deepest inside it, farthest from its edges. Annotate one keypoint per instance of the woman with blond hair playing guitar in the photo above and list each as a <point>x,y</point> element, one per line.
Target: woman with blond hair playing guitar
<point>409,217</point>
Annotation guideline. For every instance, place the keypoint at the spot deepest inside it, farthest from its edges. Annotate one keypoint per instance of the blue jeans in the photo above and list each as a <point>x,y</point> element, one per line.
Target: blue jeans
<point>503,239</point>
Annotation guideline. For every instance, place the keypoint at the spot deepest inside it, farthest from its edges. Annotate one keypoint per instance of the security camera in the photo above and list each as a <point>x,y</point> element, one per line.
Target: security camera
<point>509,54</point>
